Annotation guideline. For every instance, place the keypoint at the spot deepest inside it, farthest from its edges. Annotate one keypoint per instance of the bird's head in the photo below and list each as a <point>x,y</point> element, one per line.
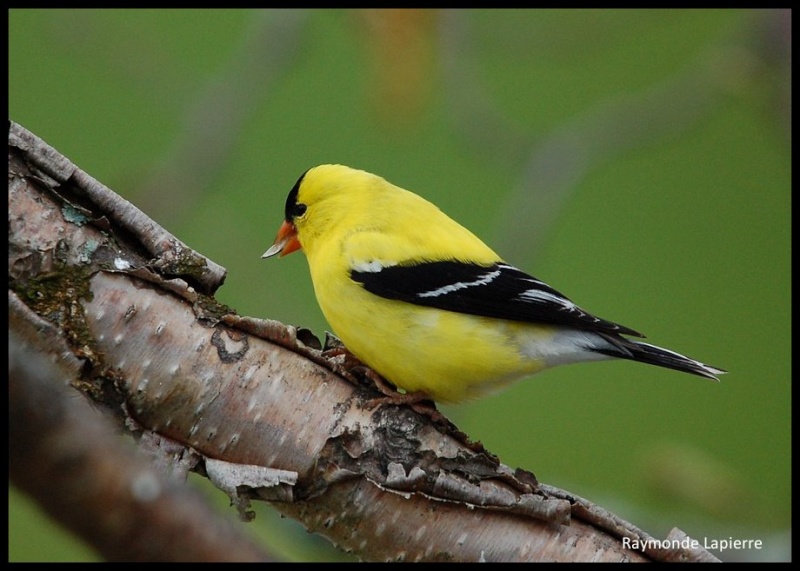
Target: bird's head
<point>315,204</point>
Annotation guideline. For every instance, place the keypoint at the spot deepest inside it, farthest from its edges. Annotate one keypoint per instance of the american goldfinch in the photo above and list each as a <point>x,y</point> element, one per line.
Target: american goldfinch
<point>426,304</point>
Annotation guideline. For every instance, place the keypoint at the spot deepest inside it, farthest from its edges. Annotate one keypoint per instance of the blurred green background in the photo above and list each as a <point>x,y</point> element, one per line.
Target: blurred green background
<point>638,161</point>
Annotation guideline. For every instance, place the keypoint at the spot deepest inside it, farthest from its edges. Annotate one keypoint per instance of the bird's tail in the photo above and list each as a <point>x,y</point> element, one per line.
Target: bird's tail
<point>645,353</point>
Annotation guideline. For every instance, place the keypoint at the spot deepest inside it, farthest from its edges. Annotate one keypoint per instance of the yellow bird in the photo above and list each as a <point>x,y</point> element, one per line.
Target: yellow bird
<point>426,304</point>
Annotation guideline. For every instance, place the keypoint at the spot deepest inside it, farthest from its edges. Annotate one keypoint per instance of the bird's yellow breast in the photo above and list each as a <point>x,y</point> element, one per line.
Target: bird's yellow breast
<point>450,356</point>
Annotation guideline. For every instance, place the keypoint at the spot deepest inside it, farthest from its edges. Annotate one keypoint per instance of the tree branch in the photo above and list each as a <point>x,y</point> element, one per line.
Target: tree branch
<point>127,311</point>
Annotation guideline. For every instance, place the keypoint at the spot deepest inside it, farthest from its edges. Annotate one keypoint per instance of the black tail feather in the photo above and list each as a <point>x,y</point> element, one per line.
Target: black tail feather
<point>645,353</point>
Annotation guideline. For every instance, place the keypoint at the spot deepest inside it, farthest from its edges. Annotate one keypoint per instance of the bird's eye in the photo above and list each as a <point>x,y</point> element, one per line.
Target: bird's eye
<point>299,209</point>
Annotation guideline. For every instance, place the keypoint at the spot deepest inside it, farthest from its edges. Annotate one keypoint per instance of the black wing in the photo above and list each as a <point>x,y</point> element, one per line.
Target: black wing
<point>498,290</point>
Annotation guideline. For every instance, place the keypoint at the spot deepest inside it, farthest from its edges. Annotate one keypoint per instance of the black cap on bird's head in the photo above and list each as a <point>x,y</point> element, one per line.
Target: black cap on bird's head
<point>293,208</point>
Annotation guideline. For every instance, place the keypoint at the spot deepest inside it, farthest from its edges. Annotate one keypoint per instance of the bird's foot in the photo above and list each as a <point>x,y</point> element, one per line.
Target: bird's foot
<point>419,401</point>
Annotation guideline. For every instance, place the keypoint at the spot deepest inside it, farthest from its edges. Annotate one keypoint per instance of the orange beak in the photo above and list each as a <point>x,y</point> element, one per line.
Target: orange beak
<point>286,241</point>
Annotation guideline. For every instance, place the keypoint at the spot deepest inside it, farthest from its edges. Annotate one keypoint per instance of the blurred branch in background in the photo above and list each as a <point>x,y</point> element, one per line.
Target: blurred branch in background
<point>557,162</point>
<point>770,38</point>
<point>213,122</point>
<point>68,456</point>
<point>400,44</point>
